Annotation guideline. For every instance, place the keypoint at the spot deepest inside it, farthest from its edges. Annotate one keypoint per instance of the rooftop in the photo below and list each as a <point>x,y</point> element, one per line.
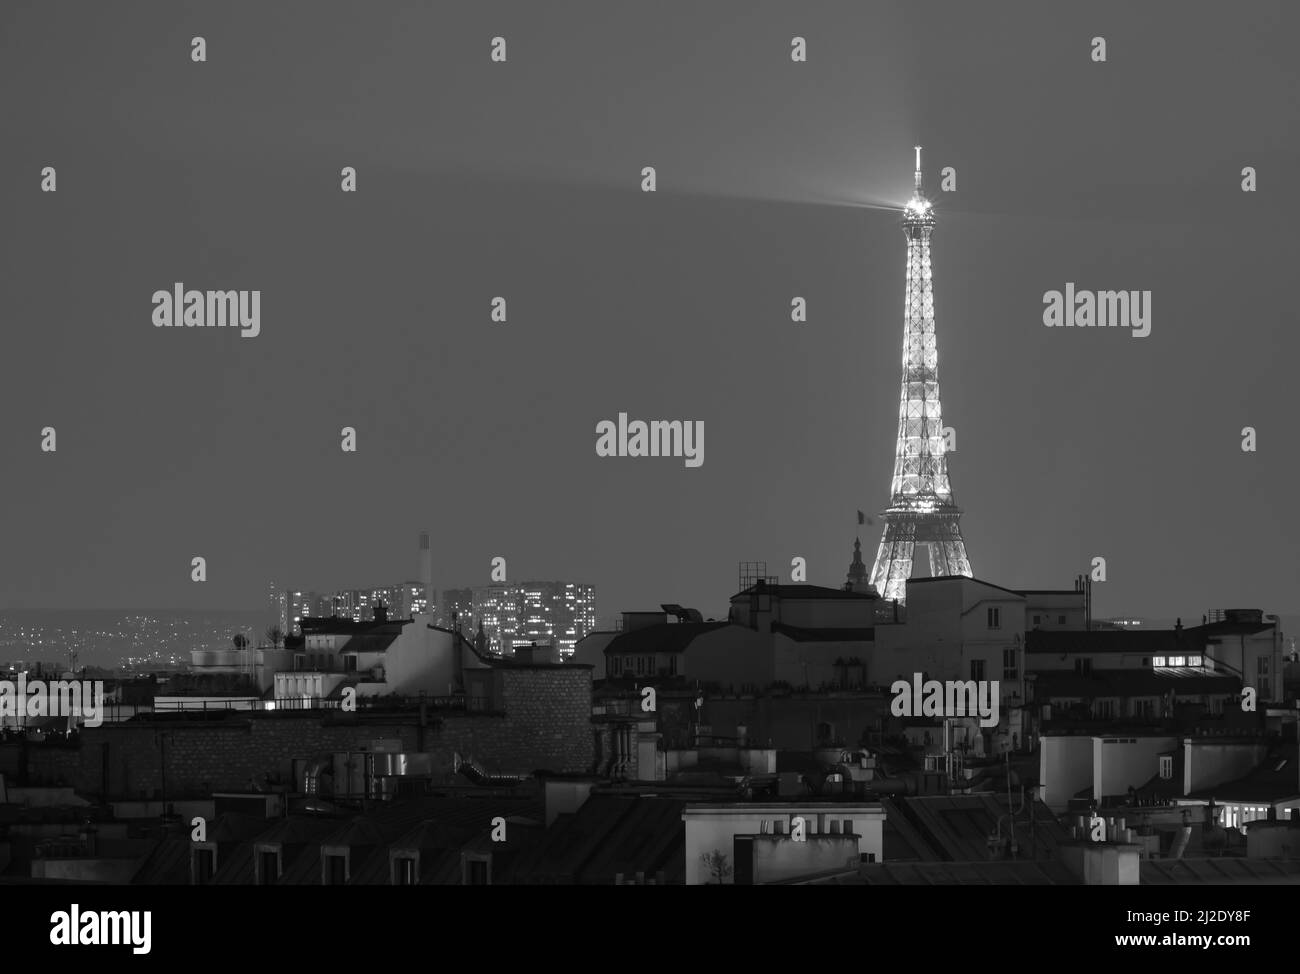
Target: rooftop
<point>1138,642</point>
<point>963,578</point>
<point>1274,779</point>
<point>955,828</point>
<point>339,626</point>
<point>667,637</point>
<point>804,635</point>
<point>1133,683</point>
<point>1220,871</point>
<point>985,873</point>
<point>795,592</point>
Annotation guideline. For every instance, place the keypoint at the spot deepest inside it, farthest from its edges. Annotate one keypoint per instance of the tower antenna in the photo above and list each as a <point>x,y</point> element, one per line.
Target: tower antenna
<point>918,170</point>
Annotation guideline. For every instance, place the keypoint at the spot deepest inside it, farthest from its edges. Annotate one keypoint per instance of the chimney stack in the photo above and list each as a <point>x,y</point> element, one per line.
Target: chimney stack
<point>426,571</point>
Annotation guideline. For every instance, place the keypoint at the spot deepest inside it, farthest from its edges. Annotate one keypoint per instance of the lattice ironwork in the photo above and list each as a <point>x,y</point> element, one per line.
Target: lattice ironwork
<point>921,508</point>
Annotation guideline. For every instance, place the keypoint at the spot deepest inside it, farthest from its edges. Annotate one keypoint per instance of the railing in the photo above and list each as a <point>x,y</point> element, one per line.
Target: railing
<point>203,706</point>
<point>372,704</point>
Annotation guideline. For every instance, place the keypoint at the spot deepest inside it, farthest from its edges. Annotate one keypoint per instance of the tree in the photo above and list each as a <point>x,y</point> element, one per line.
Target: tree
<point>240,641</point>
<point>716,863</point>
<point>274,636</point>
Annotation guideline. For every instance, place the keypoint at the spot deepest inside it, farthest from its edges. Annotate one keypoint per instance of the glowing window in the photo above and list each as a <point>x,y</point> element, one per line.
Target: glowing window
<point>1177,660</point>
<point>1157,661</point>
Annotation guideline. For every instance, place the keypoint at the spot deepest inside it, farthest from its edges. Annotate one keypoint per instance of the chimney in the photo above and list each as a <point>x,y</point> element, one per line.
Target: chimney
<point>426,571</point>
<point>381,612</point>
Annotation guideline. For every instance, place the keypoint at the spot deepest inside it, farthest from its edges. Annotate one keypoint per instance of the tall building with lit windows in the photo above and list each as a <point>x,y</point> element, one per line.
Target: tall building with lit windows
<point>358,604</point>
<point>554,613</point>
<point>456,608</point>
<point>296,605</point>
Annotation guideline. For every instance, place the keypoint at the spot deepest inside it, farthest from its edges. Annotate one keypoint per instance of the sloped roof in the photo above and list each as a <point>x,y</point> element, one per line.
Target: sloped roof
<point>804,635</point>
<point>609,834</point>
<point>994,873</point>
<point>167,864</point>
<point>440,868</point>
<point>296,835</point>
<point>1272,780</point>
<point>903,840</point>
<point>429,835</point>
<point>650,837</point>
<point>966,578</point>
<point>369,642</point>
<point>956,827</point>
<point>443,826</point>
<point>1158,787</point>
<point>1219,871</point>
<point>668,637</point>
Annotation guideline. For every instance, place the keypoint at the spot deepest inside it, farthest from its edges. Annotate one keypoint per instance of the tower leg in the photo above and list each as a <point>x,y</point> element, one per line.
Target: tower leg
<point>894,559</point>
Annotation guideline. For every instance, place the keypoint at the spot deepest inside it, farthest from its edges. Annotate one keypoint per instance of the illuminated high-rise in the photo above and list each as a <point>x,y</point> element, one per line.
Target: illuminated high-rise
<point>514,615</point>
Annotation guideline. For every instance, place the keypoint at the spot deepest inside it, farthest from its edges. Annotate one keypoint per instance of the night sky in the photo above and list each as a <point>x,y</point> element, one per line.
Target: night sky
<point>775,179</point>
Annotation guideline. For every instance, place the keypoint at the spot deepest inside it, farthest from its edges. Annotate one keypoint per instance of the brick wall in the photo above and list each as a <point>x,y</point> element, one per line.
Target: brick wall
<point>549,719</point>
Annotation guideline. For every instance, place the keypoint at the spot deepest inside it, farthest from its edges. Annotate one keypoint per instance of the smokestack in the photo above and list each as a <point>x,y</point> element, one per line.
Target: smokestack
<point>426,571</point>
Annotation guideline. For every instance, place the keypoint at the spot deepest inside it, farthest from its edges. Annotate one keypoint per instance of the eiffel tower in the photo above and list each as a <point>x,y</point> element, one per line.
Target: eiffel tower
<point>921,508</point>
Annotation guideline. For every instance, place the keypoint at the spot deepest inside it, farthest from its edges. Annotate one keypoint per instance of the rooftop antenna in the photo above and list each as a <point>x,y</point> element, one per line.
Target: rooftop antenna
<point>918,170</point>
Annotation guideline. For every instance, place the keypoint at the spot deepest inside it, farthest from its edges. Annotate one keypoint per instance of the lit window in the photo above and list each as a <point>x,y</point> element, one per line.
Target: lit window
<point>1194,661</point>
<point>1157,661</point>
<point>1177,660</point>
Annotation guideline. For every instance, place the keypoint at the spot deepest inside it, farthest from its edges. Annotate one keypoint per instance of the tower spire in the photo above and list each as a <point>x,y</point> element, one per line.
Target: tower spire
<point>921,508</point>
<point>857,576</point>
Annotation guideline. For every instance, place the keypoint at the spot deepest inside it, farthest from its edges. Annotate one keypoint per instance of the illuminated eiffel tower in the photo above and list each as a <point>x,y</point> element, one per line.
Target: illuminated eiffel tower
<point>921,508</point>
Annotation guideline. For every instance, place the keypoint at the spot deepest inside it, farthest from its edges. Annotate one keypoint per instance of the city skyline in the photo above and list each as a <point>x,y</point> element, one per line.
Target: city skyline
<point>441,298</point>
<point>1070,444</point>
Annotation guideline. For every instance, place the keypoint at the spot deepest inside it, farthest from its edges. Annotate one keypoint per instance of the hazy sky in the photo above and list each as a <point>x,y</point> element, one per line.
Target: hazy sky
<point>522,179</point>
